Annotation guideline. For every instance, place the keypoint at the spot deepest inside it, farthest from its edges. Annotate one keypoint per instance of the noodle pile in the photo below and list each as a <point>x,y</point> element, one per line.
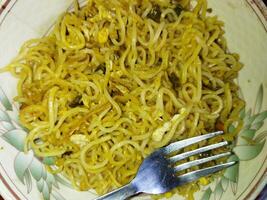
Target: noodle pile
<point>117,79</point>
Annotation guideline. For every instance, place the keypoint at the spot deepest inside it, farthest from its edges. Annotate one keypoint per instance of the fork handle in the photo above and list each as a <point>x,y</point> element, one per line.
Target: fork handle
<point>120,194</point>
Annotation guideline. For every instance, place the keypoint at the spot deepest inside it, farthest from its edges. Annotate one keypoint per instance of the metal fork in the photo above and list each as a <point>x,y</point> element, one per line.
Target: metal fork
<point>158,173</point>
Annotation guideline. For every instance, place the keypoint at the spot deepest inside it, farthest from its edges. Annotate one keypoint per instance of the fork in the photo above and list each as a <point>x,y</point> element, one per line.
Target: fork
<point>158,172</point>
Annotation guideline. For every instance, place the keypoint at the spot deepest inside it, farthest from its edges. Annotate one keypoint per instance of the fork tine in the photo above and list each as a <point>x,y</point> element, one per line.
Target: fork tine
<point>199,161</point>
<point>192,176</point>
<point>182,156</point>
<point>187,142</point>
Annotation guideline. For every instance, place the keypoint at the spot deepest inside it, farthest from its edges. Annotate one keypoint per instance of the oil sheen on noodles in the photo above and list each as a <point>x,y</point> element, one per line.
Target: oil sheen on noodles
<point>117,79</point>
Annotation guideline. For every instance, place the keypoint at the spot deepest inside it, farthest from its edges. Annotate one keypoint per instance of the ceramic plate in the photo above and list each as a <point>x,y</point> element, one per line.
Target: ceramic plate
<point>24,177</point>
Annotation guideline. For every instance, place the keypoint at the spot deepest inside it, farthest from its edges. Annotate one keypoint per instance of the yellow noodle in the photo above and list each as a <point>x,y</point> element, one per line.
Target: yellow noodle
<point>114,80</point>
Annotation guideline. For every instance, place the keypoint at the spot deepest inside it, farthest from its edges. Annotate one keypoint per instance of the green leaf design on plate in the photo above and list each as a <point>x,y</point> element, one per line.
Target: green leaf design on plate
<point>50,180</point>
<point>259,100</point>
<point>249,133</point>
<point>36,169</point>
<point>46,192</point>
<point>44,174</point>
<point>247,115</point>
<point>245,136</point>
<point>21,164</point>
<point>249,152</point>
<point>242,113</point>
<point>234,187</point>
<point>218,191</point>
<point>225,183</point>
<point>257,126</point>
<point>16,138</point>
<point>231,173</point>
<point>207,194</point>
<point>4,100</point>
<point>248,121</point>
<point>261,117</point>
<point>28,181</point>
<point>4,116</point>
<point>40,185</point>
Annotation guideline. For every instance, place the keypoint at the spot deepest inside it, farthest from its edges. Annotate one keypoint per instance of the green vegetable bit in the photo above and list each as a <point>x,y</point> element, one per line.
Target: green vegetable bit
<point>155,13</point>
<point>178,9</point>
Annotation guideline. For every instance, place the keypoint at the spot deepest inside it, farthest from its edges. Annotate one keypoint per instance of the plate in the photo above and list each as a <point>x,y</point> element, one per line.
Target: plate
<point>24,177</point>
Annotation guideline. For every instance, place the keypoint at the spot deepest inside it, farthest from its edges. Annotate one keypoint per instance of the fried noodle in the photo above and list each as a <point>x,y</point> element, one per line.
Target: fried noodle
<point>114,80</point>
